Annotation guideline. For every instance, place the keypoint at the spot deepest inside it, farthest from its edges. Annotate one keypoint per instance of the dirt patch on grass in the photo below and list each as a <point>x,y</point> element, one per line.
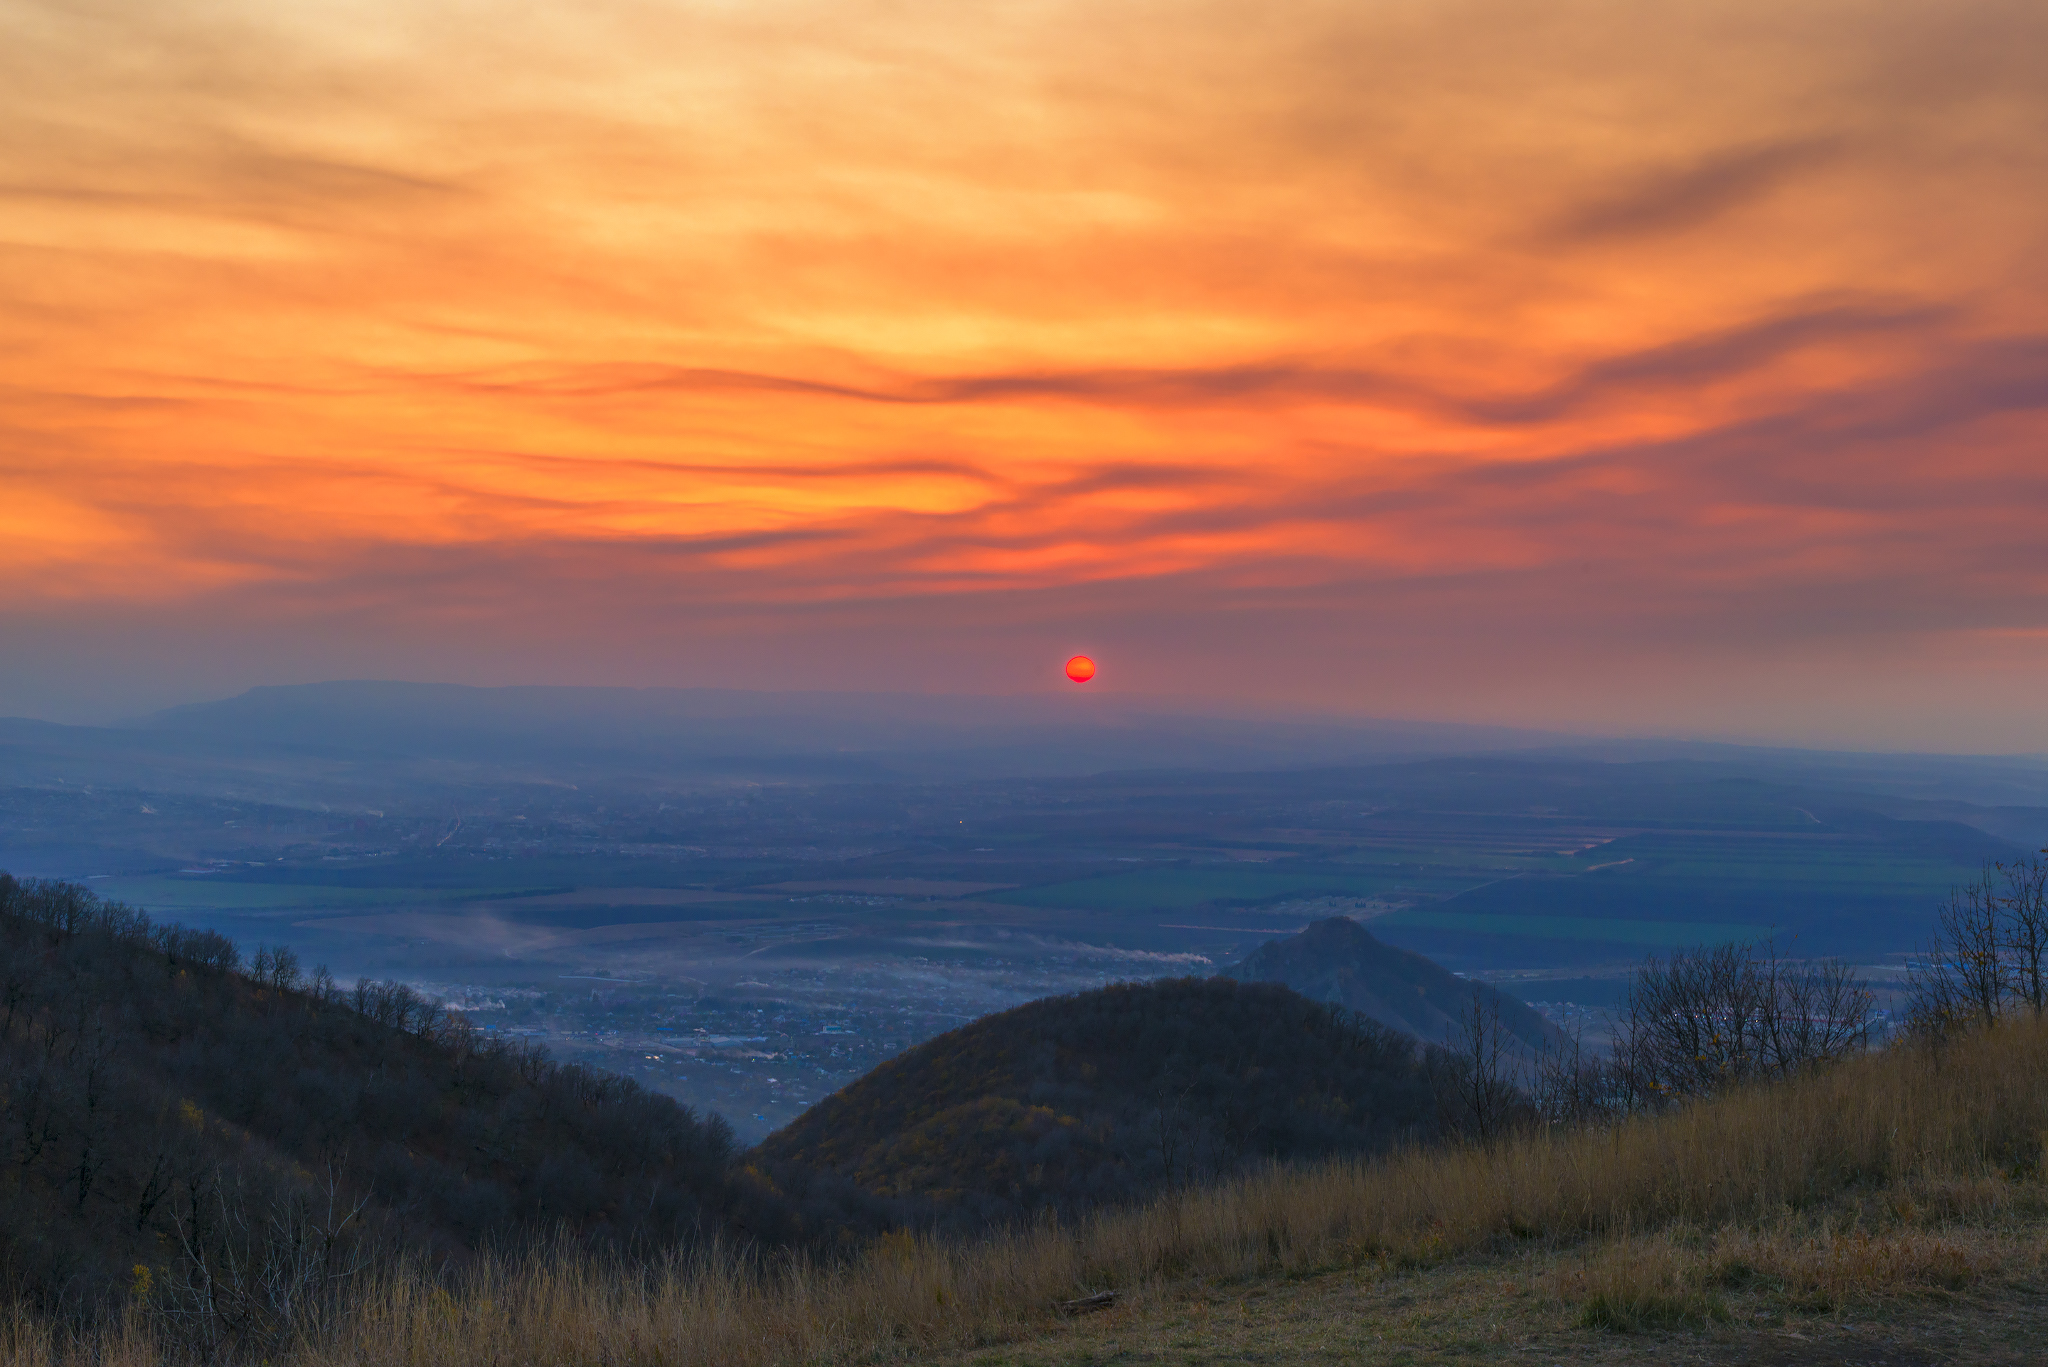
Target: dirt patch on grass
<point>1902,1298</point>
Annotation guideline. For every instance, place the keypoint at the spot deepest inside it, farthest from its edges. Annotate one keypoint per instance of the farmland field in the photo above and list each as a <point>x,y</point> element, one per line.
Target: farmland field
<point>172,895</point>
<point>1613,931</point>
<point>1177,889</point>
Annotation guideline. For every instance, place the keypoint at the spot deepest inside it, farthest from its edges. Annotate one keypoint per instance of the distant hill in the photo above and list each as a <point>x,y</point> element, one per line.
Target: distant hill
<point>164,1107</point>
<point>713,732</point>
<point>1107,1095</point>
<point>1340,962</point>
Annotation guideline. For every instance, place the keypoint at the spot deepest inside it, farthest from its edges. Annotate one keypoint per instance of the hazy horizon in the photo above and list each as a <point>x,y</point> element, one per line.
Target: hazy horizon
<point>143,706</point>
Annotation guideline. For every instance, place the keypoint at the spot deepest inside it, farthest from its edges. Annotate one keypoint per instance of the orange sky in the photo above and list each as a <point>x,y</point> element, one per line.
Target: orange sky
<point>1601,365</point>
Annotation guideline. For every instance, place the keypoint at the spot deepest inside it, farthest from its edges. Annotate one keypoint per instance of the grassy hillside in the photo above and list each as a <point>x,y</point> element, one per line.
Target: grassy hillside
<point>1103,1096</point>
<point>1895,1199</point>
<point>1340,962</point>
<point>1892,1205</point>
<point>171,1118</point>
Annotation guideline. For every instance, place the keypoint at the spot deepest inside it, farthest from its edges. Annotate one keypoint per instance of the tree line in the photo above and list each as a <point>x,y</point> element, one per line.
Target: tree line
<point>222,1141</point>
<point>1708,1019</point>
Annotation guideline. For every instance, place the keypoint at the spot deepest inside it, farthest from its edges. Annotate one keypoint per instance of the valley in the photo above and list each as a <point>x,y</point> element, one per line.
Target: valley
<point>750,947</point>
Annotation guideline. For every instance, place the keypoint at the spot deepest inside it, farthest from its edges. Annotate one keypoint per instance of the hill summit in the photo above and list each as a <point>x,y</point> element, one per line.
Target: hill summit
<point>1103,1096</point>
<point>1340,962</point>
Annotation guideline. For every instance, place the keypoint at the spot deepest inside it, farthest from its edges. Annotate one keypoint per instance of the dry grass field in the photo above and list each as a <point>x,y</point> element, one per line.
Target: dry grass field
<point>1889,1210</point>
<point>1981,1301</point>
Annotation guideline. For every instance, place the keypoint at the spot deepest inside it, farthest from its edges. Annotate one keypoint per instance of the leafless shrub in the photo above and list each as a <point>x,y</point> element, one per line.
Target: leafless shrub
<point>1477,1072</point>
<point>1570,1084</point>
<point>1813,1011</point>
<point>1960,979</point>
<point>2025,904</point>
<point>1989,954</point>
<point>254,1275</point>
<point>1711,1018</point>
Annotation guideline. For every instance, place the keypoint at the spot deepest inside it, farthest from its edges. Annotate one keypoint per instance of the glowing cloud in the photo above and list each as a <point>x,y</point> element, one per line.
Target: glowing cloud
<point>1628,333</point>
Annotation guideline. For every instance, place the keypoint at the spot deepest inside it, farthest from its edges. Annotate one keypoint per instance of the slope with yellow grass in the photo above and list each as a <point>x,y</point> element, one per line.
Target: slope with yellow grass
<point>1902,1190</point>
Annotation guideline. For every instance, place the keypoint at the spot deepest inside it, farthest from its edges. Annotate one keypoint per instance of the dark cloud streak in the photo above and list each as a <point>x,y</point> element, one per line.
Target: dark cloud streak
<point>1674,199</point>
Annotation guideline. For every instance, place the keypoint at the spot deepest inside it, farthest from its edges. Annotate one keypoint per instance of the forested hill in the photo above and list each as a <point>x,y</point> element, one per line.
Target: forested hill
<point>1107,1095</point>
<point>1340,962</point>
<point>165,1109</point>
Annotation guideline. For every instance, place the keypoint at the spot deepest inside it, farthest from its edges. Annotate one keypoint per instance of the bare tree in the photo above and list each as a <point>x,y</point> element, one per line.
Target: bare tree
<point>2025,939</point>
<point>1570,1085</point>
<point>1961,978</point>
<point>1476,1071</point>
<point>1812,1012</point>
<point>253,1280</point>
<point>1694,1023</point>
<point>1716,1016</point>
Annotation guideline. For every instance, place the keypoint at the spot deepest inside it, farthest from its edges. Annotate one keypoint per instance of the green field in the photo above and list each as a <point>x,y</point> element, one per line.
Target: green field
<point>194,894</point>
<point>1177,889</point>
<point>1827,870</point>
<point>1642,934</point>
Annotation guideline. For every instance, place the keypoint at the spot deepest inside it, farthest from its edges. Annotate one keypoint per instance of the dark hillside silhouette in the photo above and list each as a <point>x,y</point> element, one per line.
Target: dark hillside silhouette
<point>1105,1096</point>
<point>173,1123</point>
<point>1340,962</point>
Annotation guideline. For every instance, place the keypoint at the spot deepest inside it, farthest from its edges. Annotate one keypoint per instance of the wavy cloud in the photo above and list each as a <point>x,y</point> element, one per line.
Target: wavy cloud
<point>1254,347</point>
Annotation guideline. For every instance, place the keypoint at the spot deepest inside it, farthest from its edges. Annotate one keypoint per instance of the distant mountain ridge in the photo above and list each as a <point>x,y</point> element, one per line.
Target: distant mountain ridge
<point>1341,963</point>
<point>1031,730</point>
<point>361,741</point>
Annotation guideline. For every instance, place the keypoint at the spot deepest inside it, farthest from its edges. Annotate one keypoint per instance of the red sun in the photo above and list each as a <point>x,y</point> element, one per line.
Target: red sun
<point>1080,669</point>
